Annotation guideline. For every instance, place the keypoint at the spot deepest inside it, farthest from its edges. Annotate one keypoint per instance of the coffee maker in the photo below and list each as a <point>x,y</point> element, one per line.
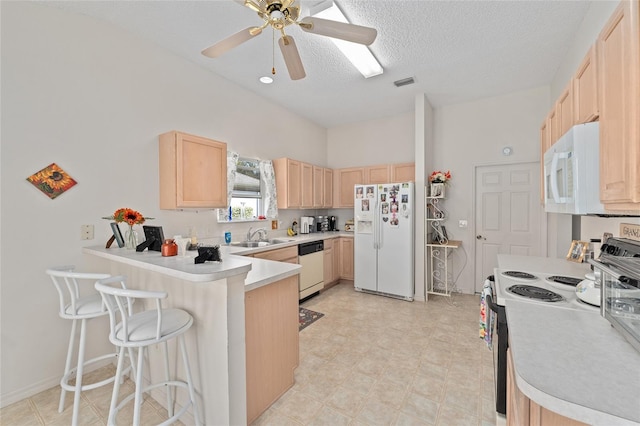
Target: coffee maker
<point>322,223</point>
<point>333,223</point>
<point>306,224</point>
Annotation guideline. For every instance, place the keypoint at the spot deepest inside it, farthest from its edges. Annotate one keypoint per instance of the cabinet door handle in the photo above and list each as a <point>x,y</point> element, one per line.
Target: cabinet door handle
<point>480,237</point>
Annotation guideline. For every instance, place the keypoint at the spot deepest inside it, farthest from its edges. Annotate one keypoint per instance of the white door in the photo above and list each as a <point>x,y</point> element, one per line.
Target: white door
<point>508,216</point>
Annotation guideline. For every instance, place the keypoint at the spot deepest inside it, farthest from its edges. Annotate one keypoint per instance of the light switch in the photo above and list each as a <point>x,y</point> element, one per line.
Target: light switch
<point>86,232</point>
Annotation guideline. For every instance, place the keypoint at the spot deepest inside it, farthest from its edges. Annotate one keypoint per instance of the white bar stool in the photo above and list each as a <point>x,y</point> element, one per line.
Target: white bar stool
<point>75,307</point>
<point>141,330</point>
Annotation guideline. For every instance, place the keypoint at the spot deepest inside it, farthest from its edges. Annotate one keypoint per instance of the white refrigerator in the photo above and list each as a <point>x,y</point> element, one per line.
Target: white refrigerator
<point>383,239</point>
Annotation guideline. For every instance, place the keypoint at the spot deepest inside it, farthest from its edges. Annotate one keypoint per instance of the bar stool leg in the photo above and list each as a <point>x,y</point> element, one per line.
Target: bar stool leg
<point>138,393</point>
<point>168,379</point>
<point>116,387</point>
<point>187,369</point>
<point>67,366</point>
<point>79,373</point>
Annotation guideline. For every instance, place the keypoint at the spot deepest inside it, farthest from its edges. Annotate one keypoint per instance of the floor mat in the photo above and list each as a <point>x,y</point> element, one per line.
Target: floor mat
<point>307,317</point>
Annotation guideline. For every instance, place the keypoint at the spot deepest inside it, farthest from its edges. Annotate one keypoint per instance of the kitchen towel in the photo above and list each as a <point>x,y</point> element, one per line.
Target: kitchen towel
<point>486,314</point>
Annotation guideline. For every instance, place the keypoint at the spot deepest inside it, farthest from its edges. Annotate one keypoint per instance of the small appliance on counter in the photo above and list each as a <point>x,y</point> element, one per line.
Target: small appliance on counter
<point>333,223</point>
<point>322,223</point>
<point>306,224</point>
<point>618,268</point>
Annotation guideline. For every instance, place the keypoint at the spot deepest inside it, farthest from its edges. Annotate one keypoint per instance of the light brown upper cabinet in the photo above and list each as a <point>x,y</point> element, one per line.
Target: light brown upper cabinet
<point>564,110</point>
<point>554,127</point>
<point>403,172</point>
<point>328,187</point>
<point>585,89</point>
<point>306,174</point>
<point>288,183</point>
<point>344,181</point>
<point>377,174</point>
<point>193,171</point>
<point>618,51</point>
<point>544,145</point>
<point>318,187</point>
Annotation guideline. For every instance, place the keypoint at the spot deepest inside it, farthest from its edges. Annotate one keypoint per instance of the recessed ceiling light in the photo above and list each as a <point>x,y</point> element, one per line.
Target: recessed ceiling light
<point>266,80</point>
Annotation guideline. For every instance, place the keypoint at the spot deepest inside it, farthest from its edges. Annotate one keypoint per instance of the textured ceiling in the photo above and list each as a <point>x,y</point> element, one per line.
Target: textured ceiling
<point>455,50</point>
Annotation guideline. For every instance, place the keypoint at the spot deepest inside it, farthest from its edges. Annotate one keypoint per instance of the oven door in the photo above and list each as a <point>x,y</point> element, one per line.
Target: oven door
<point>499,350</point>
<point>620,303</point>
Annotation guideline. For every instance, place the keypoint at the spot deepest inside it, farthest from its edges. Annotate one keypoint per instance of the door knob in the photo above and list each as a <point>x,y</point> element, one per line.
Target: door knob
<point>480,237</point>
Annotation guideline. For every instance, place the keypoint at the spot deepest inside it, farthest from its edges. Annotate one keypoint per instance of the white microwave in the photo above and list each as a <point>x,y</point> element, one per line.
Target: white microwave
<point>572,172</point>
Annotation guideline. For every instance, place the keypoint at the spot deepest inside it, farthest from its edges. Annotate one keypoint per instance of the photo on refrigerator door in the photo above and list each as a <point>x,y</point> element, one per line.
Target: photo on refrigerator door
<point>370,192</point>
<point>385,208</point>
<point>365,205</point>
<point>359,192</point>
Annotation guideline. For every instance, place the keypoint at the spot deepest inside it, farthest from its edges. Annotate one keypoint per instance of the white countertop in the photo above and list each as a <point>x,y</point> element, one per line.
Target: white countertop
<point>260,271</point>
<point>574,363</point>
<point>549,265</point>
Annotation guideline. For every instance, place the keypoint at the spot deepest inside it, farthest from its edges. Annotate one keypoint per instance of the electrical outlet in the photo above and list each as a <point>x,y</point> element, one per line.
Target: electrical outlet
<point>462,223</point>
<point>86,232</point>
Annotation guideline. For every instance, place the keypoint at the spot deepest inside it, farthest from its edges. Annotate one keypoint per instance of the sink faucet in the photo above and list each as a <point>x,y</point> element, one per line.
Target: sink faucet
<point>262,233</point>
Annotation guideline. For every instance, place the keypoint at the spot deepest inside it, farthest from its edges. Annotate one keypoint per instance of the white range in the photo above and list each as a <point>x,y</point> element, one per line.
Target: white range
<point>540,280</point>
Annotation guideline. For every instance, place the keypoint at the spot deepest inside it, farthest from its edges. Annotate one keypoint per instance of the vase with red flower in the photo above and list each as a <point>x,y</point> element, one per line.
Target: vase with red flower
<point>131,217</point>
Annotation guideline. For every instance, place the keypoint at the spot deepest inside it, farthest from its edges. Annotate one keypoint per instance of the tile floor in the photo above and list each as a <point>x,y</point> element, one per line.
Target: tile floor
<point>370,360</point>
<point>374,360</point>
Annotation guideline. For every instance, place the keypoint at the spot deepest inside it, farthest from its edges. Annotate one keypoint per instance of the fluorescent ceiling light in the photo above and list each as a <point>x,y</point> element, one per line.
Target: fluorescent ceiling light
<point>359,55</point>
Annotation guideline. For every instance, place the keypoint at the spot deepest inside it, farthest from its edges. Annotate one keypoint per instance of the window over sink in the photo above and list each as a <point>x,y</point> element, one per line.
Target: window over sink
<point>252,194</point>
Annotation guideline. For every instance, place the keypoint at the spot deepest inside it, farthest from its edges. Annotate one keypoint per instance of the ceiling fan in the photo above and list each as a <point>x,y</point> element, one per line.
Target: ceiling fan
<point>279,14</point>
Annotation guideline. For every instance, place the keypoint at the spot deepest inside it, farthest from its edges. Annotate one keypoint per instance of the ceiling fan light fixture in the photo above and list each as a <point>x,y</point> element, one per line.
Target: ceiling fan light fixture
<point>359,55</point>
<point>266,80</point>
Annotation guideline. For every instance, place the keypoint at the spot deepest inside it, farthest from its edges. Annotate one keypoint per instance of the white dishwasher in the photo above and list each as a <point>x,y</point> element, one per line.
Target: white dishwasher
<point>311,258</point>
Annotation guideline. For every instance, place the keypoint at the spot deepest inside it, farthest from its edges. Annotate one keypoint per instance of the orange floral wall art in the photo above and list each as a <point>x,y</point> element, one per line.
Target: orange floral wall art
<point>52,180</point>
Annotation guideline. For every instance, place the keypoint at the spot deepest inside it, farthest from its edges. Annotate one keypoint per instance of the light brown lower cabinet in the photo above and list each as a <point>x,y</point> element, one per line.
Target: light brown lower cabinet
<point>271,334</point>
<point>521,411</point>
<point>346,258</point>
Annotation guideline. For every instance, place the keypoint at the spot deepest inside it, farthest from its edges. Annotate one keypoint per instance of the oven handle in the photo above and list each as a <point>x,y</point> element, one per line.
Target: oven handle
<point>606,269</point>
<point>492,305</point>
<point>489,298</point>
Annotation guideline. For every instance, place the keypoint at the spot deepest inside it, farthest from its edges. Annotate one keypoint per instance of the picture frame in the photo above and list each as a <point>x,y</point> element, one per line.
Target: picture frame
<point>117,234</point>
<point>577,251</point>
<point>154,233</point>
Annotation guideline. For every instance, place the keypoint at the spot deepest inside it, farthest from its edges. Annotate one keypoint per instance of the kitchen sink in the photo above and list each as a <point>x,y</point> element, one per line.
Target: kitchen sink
<point>253,244</point>
<point>280,240</point>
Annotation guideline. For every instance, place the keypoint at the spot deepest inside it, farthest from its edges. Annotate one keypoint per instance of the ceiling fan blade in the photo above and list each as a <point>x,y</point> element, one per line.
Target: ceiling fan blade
<point>334,29</point>
<point>232,41</point>
<point>291,57</point>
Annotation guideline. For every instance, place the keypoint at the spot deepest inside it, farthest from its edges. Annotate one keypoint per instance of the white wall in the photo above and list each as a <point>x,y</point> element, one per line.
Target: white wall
<point>380,141</point>
<point>94,99</point>
<point>472,134</point>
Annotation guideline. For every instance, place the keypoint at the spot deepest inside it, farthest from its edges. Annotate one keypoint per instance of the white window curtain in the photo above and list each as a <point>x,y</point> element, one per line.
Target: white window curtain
<point>268,183</point>
<point>232,163</point>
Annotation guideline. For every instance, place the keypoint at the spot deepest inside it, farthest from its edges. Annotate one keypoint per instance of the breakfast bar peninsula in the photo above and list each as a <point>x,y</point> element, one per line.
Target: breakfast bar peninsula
<point>214,293</point>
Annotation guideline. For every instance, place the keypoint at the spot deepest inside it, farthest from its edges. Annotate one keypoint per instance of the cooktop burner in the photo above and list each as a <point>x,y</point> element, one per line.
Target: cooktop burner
<point>536,293</point>
<point>519,274</point>
<point>572,281</point>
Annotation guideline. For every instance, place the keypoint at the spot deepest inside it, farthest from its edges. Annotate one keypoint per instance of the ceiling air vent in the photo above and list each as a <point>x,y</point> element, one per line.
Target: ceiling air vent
<point>404,82</point>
